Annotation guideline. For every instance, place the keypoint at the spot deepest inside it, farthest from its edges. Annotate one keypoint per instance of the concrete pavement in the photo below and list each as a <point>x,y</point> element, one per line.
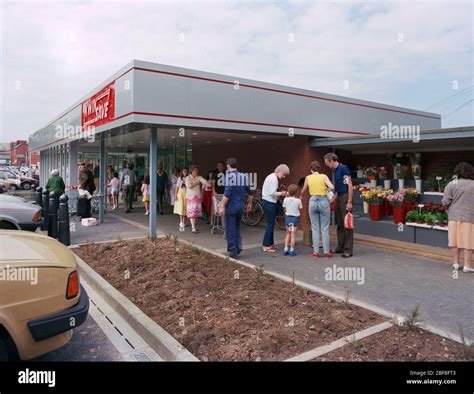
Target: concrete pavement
<point>393,280</point>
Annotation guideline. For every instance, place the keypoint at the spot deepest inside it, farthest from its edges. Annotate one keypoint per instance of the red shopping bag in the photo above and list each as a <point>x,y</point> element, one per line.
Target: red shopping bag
<point>349,221</point>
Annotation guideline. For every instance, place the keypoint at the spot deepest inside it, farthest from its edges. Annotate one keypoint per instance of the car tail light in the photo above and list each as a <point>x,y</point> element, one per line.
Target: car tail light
<point>72,285</point>
<point>37,216</point>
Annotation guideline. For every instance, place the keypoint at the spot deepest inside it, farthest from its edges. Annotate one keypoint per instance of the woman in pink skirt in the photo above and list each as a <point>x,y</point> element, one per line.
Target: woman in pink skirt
<point>459,198</point>
<point>194,196</point>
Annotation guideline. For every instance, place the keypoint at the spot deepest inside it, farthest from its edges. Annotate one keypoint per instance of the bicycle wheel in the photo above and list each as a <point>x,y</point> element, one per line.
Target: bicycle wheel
<point>254,216</point>
<point>280,217</point>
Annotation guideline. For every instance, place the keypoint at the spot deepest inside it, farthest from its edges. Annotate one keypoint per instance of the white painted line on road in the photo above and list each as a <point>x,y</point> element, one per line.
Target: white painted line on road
<point>319,351</point>
<point>124,338</point>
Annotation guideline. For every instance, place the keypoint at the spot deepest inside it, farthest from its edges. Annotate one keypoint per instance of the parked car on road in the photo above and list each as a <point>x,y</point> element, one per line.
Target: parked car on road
<point>41,298</point>
<point>11,183</point>
<point>16,214</point>
<point>26,182</point>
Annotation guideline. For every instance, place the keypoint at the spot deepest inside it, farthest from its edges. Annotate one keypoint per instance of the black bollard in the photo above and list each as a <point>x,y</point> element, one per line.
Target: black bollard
<point>39,197</point>
<point>53,216</point>
<point>64,235</point>
<point>45,210</point>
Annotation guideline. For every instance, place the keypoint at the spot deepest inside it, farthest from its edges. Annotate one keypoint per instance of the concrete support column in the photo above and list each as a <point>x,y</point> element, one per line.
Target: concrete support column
<point>153,180</point>
<point>102,180</point>
<point>73,162</point>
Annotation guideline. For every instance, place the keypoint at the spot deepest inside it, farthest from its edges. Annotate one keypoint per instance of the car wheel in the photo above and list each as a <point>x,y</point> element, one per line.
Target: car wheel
<point>12,188</point>
<point>26,186</point>
<point>7,225</point>
<point>8,351</point>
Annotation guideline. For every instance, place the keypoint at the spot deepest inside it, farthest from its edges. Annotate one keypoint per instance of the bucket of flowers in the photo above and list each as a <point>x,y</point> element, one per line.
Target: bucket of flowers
<point>411,196</point>
<point>396,200</point>
<point>383,175</point>
<point>363,189</point>
<point>375,199</point>
<point>371,173</point>
<point>400,171</point>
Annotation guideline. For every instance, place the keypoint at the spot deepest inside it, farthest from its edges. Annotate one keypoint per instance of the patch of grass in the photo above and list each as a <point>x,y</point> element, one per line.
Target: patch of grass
<point>105,248</point>
<point>357,345</point>
<point>196,249</point>
<point>347,296</point>
<point>119,237</point>
<point>466,351</point>
<point>413,320</point>
<point>260,272</point>
<point>123,264</point>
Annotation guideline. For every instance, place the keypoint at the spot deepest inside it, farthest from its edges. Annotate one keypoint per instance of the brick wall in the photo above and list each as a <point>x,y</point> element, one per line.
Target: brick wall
<point>262,157</point>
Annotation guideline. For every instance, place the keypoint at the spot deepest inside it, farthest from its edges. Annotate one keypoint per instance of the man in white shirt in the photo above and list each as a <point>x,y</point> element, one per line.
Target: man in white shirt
<point>270,195</point>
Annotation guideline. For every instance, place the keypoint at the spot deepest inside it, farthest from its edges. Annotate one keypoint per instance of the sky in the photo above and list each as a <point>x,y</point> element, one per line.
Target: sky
<point>410,54</point>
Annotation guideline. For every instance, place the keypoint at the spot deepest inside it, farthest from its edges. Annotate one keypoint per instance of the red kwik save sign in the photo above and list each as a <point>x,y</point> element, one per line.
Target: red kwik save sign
<point>100,108</point>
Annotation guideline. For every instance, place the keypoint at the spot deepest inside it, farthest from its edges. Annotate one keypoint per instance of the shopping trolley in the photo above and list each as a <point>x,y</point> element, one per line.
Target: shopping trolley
<point>73,198</point>
<point>217,222</point>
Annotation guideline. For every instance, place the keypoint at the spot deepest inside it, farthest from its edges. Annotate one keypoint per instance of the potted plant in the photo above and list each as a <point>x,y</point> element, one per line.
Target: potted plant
<point>401,171</point>
<point>371,173</point>
<point>411,195</point>
<point>360,171</point>
<point>430,184</point>
<point>429,218</point>
<point>441,219</point>
<point>420,218</point>
<point>416,171</point>
<point>375,199</point>
<point>411,216</point>
<point>362,189</point>
<point>393,161</point>
<point>396,201</point>
<point>383,175</point>
<point>444,182</point>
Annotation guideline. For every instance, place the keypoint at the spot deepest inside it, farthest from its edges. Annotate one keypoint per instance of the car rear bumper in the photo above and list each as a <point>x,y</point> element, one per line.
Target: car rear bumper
<point>30,226</point>
<point>57,323</point>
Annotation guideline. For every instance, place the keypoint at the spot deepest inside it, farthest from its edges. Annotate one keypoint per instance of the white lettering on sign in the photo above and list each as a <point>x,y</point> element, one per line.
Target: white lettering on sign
<point>99,109</point>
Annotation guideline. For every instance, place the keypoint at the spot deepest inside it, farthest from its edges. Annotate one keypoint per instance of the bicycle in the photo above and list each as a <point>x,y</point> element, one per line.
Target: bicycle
<point>256,214</point>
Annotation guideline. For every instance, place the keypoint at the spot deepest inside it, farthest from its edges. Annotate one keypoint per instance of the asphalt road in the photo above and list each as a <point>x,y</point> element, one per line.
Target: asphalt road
<point>88,343</point>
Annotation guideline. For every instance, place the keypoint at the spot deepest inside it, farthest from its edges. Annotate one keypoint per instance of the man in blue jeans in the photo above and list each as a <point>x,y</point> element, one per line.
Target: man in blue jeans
<point>270,195</point>
<point>237,187</point>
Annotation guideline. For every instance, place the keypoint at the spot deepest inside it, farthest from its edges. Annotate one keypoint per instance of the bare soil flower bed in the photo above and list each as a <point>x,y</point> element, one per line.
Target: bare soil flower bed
<point>402,344</point>
<point>221,310</point>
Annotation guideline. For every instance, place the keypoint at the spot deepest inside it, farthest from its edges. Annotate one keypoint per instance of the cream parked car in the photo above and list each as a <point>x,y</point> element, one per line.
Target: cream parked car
<point>41,299</point>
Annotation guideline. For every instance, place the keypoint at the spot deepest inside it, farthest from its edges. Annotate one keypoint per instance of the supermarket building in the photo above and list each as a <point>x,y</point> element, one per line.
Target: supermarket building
<point>149,113</point>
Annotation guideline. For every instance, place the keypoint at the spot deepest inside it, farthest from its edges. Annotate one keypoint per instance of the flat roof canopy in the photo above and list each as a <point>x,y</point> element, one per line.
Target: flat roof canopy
<point>157,94</point>
<point>452,139</point>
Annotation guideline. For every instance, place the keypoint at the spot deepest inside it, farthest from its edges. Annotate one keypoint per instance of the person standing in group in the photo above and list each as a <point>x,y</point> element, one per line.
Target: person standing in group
<point>55,183</point>
<point>194,196</point>
<point>96,173</point>
<point>114,186</point>
<point>146,193</point>
<point>292,206</point>
<point>319,207</point>
<point>459,199</point>
<point>218,178</point>
<point>109,176</point>
<point>207,192</point>
<point>128,180</point>
<point>180,198</point>
<point>86,182</point>
<point>161,186</point>
<point>343,198</point>
<point>270,195</point>
<point>173,182</point>
<point>236,188</point>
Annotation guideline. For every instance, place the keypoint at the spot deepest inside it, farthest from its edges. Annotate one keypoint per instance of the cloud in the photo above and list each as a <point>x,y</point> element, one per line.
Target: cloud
<point>60,51</point>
